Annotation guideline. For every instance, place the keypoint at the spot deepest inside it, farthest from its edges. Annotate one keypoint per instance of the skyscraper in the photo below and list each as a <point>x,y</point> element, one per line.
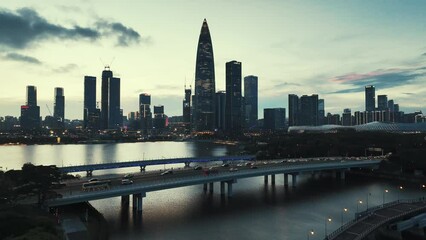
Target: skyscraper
<point>110,101</point>
<point>204,99</point>
<point>220,110</point>
<point>321,112</point>
<point>347,117</point>
<point>274,118</point>
<point>159,121</point>
<point>251,100</point>
<point>145,112</point>
<point>30,113</point>
<point>370,98</point>
<point>293,110</point>
<point>59,107</point>
<point>308,110</point>
<point>186,108</point>
<point>233,110</point>
<point>382,102</point>
<point>90,113</point>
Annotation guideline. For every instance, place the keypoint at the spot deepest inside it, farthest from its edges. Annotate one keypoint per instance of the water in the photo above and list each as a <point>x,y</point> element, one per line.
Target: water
<point>256,211</point>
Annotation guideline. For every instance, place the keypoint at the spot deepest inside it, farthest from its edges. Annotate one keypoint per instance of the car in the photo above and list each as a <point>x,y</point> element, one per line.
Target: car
<point>249,164</point>
<point>93,180</point>
<point>126,181</point>
<point>283,161</point>
<point>166,172</point>
<point>128,176</point>
<point>198,168</point>
<point>240,165</point>
<point>233,169</point>
<point>253,167</point>
<point>225,165</point>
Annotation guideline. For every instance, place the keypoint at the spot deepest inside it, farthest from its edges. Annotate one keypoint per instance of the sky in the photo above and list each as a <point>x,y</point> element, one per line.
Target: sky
<point>329,48</point>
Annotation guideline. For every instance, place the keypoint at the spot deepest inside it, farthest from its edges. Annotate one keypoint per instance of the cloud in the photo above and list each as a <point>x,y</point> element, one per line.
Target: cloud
<point>382,79</point>
<point>66,69</point>
<point>24,27</point>
<point>424,54</point>
<point>21,58</point>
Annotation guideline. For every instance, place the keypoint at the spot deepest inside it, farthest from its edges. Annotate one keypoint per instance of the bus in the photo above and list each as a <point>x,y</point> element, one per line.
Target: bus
<point>96,185</point>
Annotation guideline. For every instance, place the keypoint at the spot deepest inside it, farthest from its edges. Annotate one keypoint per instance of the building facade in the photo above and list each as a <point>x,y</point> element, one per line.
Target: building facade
<point>233,109</point>
<point>251,101</point>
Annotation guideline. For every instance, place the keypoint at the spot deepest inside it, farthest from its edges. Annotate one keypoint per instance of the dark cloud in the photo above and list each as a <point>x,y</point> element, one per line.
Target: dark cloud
<point>21,58</point>
<point>66,69</point>
<point>285,84</point>
<point>382,79</point>
<point>24,27</point>
<point>424,54</point>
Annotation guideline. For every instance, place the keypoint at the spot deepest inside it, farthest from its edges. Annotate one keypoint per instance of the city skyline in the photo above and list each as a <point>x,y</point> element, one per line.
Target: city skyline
<point>331,49</point>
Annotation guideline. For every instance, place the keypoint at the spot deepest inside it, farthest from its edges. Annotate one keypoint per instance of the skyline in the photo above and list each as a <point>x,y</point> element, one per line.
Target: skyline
<point>334,49</point>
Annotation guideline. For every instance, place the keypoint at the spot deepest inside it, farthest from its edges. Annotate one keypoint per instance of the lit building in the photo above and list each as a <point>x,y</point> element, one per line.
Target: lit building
<point>186,105</point>
<point>91,115</point>
<point>251,100</point>
<point>159,121</point>
<point>204,98</point>
<point>59,108</point>
<point>233,106</point>
<point>30,113</point>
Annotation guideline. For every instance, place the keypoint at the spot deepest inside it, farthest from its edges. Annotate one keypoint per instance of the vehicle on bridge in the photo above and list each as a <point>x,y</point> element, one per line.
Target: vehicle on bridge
<point>96,185</point>
<point>210,171</point>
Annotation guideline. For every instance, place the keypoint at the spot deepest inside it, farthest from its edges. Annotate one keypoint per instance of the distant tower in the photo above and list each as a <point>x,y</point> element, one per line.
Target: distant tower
<point>145,112</point>
<point>293,110</point>
<point>204,100</point>
<point>308,110</point>
<point>110,101</point>
<point>91,114</point>
<point>59,107</point>
<point>370,98</point>
<point>30,112</point>
<point>233,113</point>
<point>382,102</point>
<point>186,108</point>
<point>251,100</point>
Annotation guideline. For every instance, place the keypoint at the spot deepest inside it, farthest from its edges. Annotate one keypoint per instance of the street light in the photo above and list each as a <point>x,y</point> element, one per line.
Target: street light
<point>310,232</point>
<point>357,205</point>
<point>400,189</point>
<point>344,210</point>
<point>325,225</point>
<point>384,192</point>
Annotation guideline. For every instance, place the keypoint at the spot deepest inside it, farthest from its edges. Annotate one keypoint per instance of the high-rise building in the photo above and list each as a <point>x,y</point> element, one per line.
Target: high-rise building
<point>187,108</point>
<point>308,110</point>
<point>145,112</point>
<point>110,101</point>
<point>91,114</point>
<point>30,113</point>
<point>321,112</point>
<point>391,105</point>
<point>370,98</point>
<point>204,98</point>
<point>233,113</point>
<point>220,110</point>
<point>251,100</point>
<point>293,110</point>
<point>115,120</point>
<point>382,102</point>
<point>347,117</point>
<point>274,118</point>
<point>159,121</point>
<point>59,108</point>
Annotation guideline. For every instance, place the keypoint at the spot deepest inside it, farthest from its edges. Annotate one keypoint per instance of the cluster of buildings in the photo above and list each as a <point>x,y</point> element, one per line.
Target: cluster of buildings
<point>207,111</point>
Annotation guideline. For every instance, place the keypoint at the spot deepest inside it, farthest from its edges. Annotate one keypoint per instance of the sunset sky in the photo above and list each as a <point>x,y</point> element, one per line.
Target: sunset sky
<point>332,48</point>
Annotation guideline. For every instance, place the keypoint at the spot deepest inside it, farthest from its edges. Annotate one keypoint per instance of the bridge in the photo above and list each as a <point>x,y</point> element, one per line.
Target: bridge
<point>368,221</point>
<point>226,174</point>
<point>143,163</point>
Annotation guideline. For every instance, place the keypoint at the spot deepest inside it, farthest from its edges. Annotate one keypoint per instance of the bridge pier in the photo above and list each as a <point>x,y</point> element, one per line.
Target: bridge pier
<point>125,200</point>
<point>266,179</point>
<point>286,179</point>
<point>187,164</point>
<point>222,188</point>
<point>143,168</point>
<point>137,201</point>
<point>293,179</point>
<point>211,186</point>
<point>89,173</point>
<point>273,179</point>
<point>205,187</point>
<point>230,187</point>
<point>342,175</point>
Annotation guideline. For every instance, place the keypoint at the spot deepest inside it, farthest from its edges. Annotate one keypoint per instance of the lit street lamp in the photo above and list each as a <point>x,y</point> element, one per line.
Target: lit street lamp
<point>310,232</point>
<point>400,190</point>
<point>325,225</point>
<point>384,192</point>
<point>344,210</point>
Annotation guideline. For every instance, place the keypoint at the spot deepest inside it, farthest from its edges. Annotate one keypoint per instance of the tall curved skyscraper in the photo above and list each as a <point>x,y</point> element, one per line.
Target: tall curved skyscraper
<point>204,99</point>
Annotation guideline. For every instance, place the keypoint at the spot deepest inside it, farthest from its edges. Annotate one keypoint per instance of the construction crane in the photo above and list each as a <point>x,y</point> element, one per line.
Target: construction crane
<point>48,109</point>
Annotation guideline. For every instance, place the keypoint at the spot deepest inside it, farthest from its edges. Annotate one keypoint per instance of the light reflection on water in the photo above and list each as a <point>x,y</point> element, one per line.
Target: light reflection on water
<point>256,211</point>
